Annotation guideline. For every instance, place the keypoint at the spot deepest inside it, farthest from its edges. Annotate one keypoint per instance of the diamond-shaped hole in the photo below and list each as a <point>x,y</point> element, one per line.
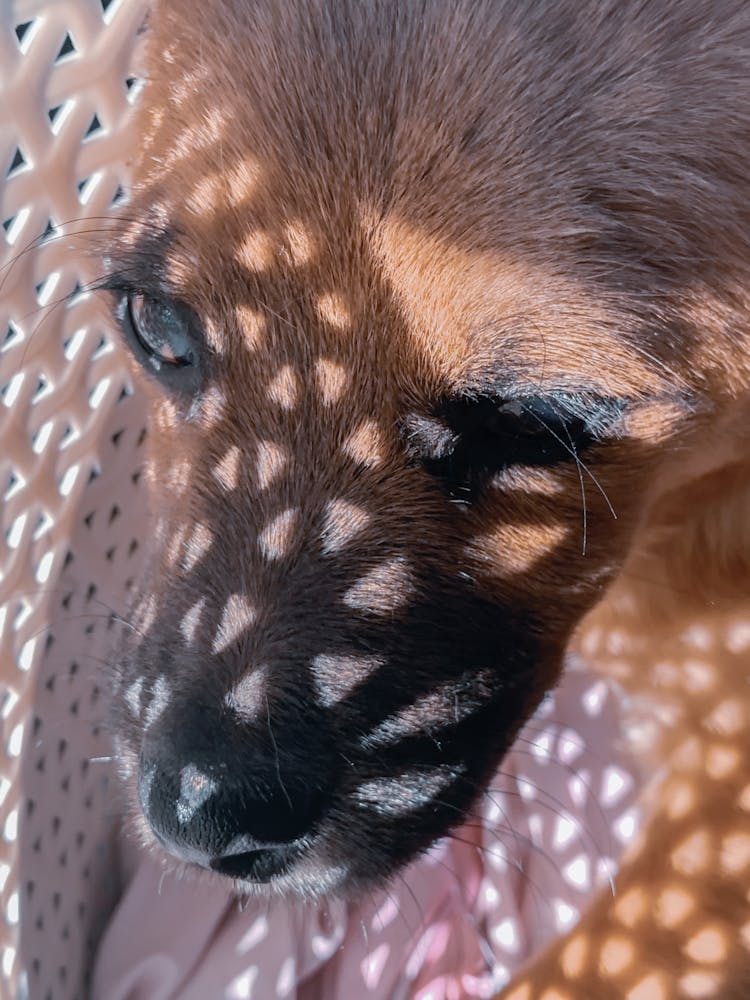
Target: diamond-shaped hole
<point>95,127</point>
<point>66,49</point>
<point>18,162</point>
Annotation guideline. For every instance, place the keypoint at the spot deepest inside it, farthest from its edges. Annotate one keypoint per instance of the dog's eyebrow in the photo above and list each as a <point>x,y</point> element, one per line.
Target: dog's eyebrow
<point>138,263</point>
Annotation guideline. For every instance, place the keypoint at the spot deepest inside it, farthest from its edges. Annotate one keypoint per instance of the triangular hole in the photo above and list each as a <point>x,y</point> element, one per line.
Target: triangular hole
<point>22,30</point>
<point>67,48</point>
<point>19,161</point>
<point>94,126</point>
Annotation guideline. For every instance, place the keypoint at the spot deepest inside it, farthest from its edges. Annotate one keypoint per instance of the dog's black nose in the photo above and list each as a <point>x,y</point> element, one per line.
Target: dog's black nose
<point>228,796</point>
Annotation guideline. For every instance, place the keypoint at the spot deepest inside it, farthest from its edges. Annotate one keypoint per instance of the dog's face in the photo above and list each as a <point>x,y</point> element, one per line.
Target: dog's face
<point>423,306</point>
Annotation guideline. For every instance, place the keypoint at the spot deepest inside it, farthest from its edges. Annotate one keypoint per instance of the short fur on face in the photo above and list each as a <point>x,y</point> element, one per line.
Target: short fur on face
<point>466,291</point>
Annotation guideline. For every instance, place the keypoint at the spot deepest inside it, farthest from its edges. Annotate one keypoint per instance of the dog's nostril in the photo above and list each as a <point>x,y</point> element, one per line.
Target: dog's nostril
<point>257,866</point>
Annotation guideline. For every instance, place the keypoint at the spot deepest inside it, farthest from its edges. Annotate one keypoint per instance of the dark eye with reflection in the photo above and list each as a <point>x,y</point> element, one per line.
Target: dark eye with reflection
<point>468,440</point>
<point>161,328</point>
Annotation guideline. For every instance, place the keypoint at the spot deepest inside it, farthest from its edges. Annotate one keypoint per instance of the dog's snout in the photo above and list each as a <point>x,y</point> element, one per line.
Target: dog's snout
<point>217,794</point>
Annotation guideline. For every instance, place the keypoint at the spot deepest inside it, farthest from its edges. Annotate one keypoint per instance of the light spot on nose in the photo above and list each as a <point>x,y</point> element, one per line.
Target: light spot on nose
<point>252,325</point>
<point>383,590</point>
<point>249,697</point>
<point>196,788</point>
<point>365,445</point>
<point>227,471</point>
<point>145,614</point>
<point>332,380</point>
<point>197,546</point>
<point>133,696</point>
<point>159,700</point>
<point>337,676</point>
<point>298,243</point>
<point>256,251</point>
<point>237,616</point>
<point>342,521</point>
<point>271,461</point>
<point>332,310</point>
<point>276,537</point>
<point>406,793</point>
<point>283,388</point>
<point>191,620</point>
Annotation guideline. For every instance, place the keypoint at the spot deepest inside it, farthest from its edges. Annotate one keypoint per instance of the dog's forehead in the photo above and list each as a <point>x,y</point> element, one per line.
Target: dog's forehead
<point>314,169</point>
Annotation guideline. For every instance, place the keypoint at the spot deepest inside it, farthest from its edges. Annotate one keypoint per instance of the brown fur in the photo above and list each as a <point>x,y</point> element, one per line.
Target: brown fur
<point>376,206</point>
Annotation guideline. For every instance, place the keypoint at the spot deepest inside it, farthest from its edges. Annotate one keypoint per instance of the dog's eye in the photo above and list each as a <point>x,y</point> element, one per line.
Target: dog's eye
<point>161,328</point>
<point>468,440</point>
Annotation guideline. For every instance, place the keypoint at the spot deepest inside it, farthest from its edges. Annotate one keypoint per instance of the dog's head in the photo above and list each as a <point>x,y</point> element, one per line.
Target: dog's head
<point>426,297</point>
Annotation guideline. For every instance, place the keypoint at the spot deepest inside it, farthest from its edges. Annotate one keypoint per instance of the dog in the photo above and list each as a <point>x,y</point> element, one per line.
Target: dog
<point>441,312</point>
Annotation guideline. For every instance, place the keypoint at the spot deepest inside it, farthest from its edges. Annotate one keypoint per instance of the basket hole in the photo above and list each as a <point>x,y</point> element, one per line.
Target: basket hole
<point>67,49</point>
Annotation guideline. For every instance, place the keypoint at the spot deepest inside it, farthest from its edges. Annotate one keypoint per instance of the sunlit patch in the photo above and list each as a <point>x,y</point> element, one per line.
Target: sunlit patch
<point>365,445</point>
<point>227,471</point>
<point>516,548</point>
<point>632,907</point>
<point>332,378</point>
<point>342,521</point>
<point>275,539</point>
<point>448,705</point>
<point>689,754</point>
<point>336,676</point>
<point>298,243</point>
<point>283,389</point>
<point>574,957</point>
<point>191,620</point>
<point>159,700</point>
<point>679,798</point>
<point>133,696</point>
<point>237,616</point>
<point>673,906</point>
<point>698,676</point>
<point>372,965</point>
<point>385,589</point>
<point>707,946</point>
<point>270,463</point>
<point>743,800</point>
<point>735,852</point>
<point>144,615</point>
<point>196,788</point>
<point>174,549</point>
<point>256,251</point>
<point>616,955</point>
<point>332,310</point>
<point>737,638</point>
<point>745,936</point>
<point>578,872</point>
<point>700,984</point>
<point>565,914</point>
<point>406,793</point>
<point>650,988</point>
<point>721,761</point>
<point>241,181</point>
<point>505,935</point>
<point>178,477</point>
<point>207,195</point>
<point>522,992</point>
<point>248,698</point>
<point>252,324</point>
<point>196,546</point>
<point>693,854</point>
<point>212,406</point>
<point>167,415</point>
<point>728,718</point>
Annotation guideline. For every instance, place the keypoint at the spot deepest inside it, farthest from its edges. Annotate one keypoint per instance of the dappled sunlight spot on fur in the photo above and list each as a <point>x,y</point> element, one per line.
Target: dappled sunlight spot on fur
<point>709,945</point>
<point>283,388</point>
<point>616,955</point>
<point>298,243</point>
<point>333,310</point>
<point>238,615</point>
<point>270,463</point>
<point>160,695</point>
<point>673,906</point>
<point>337,675</point>
<point>252,325</point>
<point>517,548</point>
<point>241,181</point>
<point>365,444</point>
<point>207,195</point>
<point>652,987</point>
<point>227,470</point>
<point>384,589</point>
<point>697,985</point>
<point>197,545</point>
<point>255,253</point>
<point>693,854</point>
<point>332,378</point>
<point>144,615</point>
<point>735,852</point>
<point>249,696</point>
<point>342,522</point>
<point>632,906</point>
<point>212,406</point>
<point>574,956</point>
<point>276,538</point>
<point>191,620</point>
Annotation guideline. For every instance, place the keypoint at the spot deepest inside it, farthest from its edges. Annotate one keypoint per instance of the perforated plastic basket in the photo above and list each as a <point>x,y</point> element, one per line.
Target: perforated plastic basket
<point>69,453</point>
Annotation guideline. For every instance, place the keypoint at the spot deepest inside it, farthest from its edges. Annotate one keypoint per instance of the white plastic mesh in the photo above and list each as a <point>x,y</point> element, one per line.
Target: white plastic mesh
<point>69,432</point>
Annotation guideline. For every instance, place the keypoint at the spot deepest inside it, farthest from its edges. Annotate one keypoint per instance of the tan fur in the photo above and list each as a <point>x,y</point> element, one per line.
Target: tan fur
<point>372,210</point>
